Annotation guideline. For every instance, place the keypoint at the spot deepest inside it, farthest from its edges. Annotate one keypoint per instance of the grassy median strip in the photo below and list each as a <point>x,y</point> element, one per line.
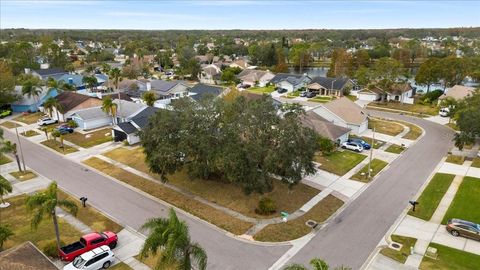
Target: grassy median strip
<point>296,228</point>
<point>23,176</point>
<point>414,133</point>
<point>396,149</point>
<point>29,133</point>
<point>339,162</point>
<point>91,217</point>
<point>451,259</point>
<point>221,192</point>
<point>466,201</point>
<point>4,159</point>
<point>455,159</point>
<point>376,166</point>
<point>385,127</point>
<point>89,139</point>
<point>402,254</point>
<point>475,162</point>
<point>432,195</point>
<point>57,146</point>
<point>29,118</point>
<point>173,197</point>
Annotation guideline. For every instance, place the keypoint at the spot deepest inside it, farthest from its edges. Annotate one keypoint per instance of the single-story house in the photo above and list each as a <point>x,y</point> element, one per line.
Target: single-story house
<point>371,94</point>
<point>71,102</point>
<point>200,90</point>
<point>25,257</point>
<point>254,77</point>
<point>129,130</point>
<point>31,104</point>
<point>324,128</point>
<point>44,74</point>
<point>210,74</point>
<point>290,82</point>
<point>457,92</point>
<point>326,86</point>
<point>91,118</point>
<point>168,89</point>
<point>77,80</point>
<point>127,109</point>
<point>240,63</point>
<point>345,113</point>
<point>402,92</point>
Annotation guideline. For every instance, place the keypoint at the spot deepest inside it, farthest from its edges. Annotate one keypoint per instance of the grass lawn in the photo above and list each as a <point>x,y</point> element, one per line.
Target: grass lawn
<point>385,127</point>
<point>18,219</point>
<point>402,254</point>
<point>4,159</point>
<point>57,146</point>
<point>450,259</point>
<point>223,193</point>
<point>377,144</point>
<point>8,124</point>
<point>352,98</point>
<point>455,159</point>
<point>23,176</point>
<point>414,133</point>
<point>396,149</point>
<point>91,217</point>
<point>466,201</point>
<point>475,162</point>
<point>432,195</point>
<point>296,228</point>
<point>151,261</point>
<point>261,90</point>
<point>339,162</point>
<point>162,192</point>
<point>94,138</point>
<point>29,118</point>
<point>376,166</point>
<point>321,99</point>
<point>294,94</point>
<point>409,108</point>
<point>30,133</point>
<point>121,266</point>
<point>452,126</point>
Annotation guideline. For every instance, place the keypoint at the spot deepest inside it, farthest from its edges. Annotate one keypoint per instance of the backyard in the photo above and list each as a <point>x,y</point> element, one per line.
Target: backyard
<point>339,162</point>
<point>89,139</point>
<point>385,127</point>
<point>402,254</point>
<point>450,259</point>
<point>466,201</point>
<point>376,166</point>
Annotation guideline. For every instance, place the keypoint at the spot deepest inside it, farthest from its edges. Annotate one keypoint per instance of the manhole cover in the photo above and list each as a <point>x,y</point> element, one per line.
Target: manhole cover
<point>395,245</point>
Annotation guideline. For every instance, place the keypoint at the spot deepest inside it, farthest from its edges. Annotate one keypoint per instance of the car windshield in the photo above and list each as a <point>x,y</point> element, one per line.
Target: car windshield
<point>78,262</point>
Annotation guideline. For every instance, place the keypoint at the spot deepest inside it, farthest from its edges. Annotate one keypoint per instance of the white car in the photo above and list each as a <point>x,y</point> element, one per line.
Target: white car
<point>46,121</point>
<point>352,146</point>
<point>99,258</point>
<point>444,112</point>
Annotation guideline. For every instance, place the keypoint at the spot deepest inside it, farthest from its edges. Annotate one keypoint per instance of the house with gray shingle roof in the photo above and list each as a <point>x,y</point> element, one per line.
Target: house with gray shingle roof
<point>325,128</point>
<point>345,113</point>
<point>290,82</point>
<point>326,86</point>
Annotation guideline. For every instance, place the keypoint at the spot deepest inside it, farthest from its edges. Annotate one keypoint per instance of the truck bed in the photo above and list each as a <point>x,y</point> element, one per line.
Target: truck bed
<point>72,247</point>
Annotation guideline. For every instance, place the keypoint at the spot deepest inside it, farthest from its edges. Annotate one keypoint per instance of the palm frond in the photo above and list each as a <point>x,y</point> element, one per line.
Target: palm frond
<point>37,218</point>
<point>295,266</point>
<point>71,206</point>
<point>199,255</point>
<point>319,264</point>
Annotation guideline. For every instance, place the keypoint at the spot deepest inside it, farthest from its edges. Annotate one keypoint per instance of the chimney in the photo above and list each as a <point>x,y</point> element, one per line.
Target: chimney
<point>149,86</point>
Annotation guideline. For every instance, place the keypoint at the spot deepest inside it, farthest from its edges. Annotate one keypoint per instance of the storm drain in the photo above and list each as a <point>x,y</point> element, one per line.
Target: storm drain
<point>396,246</point>
<point>311,223</point>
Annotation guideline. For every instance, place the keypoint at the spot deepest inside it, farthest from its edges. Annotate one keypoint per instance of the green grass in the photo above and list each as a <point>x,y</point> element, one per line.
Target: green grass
<point>450,259</point>
<point>94,138</point>
<point>294,94</point>
<point>408,108</point>
<point>29,133</point>
<point>321,99</point>
<point>57,146</point>
<point>475,162</point>
<point>466,201</point>
<point>414,133</point>
<point>339,162</point>
<point>376,166</point>
<point>4,159</point>
<point>385,127</point>
<point>8,124</point>
<point>396,149</point>
<point>29,118</point>
<point>262,90</point>
<point>296,228</point>
<point>23,176</point>
<point>432,195</point>
<point>402,254</point>
<point>121,266</point>
<point>352,98</point>
<point>455,159</point>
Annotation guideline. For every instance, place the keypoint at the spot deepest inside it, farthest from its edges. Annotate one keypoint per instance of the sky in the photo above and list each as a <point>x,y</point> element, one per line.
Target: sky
<point>146,15</point>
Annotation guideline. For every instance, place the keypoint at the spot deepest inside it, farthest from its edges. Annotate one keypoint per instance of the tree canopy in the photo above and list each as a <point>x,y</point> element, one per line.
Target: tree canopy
<point>467,114</point>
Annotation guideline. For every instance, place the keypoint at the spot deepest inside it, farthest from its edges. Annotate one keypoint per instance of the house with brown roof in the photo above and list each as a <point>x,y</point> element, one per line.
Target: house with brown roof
<point>70,102</point>
<point>345,113</point>
<point>457,92</point>
<point>241,63</point>
<point>210,74</point>
<point>253,77</point>
<point>373,93</point>
<point>324,128</point>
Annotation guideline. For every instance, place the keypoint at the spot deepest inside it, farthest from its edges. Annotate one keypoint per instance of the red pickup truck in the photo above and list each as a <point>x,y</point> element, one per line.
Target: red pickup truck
<point>88,242</point>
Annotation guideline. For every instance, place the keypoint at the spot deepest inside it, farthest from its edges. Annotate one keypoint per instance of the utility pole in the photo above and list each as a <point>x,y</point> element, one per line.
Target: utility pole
<point>371,152</point>
<point>20,146</point>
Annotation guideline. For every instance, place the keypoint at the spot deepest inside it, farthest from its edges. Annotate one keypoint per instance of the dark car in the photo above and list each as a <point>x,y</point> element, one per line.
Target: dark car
<point>363,143</point>
<point>458,227</point>
<point>310,94</point>
<point>65,129</point>
<point>281,90</point>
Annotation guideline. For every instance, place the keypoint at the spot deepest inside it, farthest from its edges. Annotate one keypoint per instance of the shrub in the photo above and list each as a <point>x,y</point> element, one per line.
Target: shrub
<point>326,145</point>
<point>431,96</point>
<point>266,206</point>
<point>72,124</point>
<point>50,249</point>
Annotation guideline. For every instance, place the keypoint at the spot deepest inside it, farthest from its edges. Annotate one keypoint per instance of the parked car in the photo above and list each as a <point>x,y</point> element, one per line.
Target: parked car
<point>444,112</point>
<point>352,146</point>
<point>458,227</point>
<point>303,94</point>
<point>88,242</point>
<point>64,129</point>
<point>5,113</point>
<point>281,90</point>
<point>46,121</point>
<point>363,143</point>
<point>310,94</point>
<point>99,258</point>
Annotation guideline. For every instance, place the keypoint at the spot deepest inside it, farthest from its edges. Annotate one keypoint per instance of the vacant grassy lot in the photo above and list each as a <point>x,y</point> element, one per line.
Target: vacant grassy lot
<point>376,166</point>
<point>23,176</point>
<point>223,193</point>
<point>8,124</point>
<point>18,219</point>
<point>396,149</point>
<point>432,195</point>
<point>57,146</point>
<point>29,118</point>
<point>91,217</point>
<point>162,192</point>
<point>385,127</point>
<point>450,259</point>
<point>455,159</point>
<point>377,143</point>
<point>90,139</point>
<point>475,162</point>
<point>409,108</point>
<point>402,254</point>
<point>339,162</point>
<point>262,90</point>
<point>296,228</point>
<point>29,133</point>
<point>466,201</point>
<point>4,159</point>
<point>414,133</point>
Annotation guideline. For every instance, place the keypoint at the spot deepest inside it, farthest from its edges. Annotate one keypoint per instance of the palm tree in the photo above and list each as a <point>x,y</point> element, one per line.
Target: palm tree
<point>32,88</point>
<point>149,98</point>
<point>5,233</point>
<point>44,203</point>
<point>115,74</point>
<point>50,104</point>
<point>9,147</point>
<point>90,82</point>
<point>317,264</point>
<point>106,68</point>
<point>171,236</point>
<point>108,106</point>
<point>5,188</point>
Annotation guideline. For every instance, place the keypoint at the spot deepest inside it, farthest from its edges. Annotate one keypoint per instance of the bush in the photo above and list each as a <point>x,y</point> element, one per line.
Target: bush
<point>266,206</point>
<point>50,249</point>
<point>431,96</point>
<point>326,145</point>
<point>72,124</point>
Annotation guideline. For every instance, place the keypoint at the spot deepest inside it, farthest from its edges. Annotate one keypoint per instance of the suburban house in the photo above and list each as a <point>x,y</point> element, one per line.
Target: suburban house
<point>201,90</point>
<point>324,128</point>
<point>164,91</point>
<point>240,63</point>
<point>128,130</point>
<point>31,104</point>
<point>254,77</point>
<point>290,82</point>
<point>77,80</point>
<point>44,74</point>
<point>210,74</point>
<point>401,92</point>
<point>326,86</point>
<point>457,92</point>
<point>373,93</point>
<point>70,102</point>
<point>345,113</point>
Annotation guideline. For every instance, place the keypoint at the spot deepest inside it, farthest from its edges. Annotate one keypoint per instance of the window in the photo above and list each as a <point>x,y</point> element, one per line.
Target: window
<point>97,241</point>
<point>101,256</point>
